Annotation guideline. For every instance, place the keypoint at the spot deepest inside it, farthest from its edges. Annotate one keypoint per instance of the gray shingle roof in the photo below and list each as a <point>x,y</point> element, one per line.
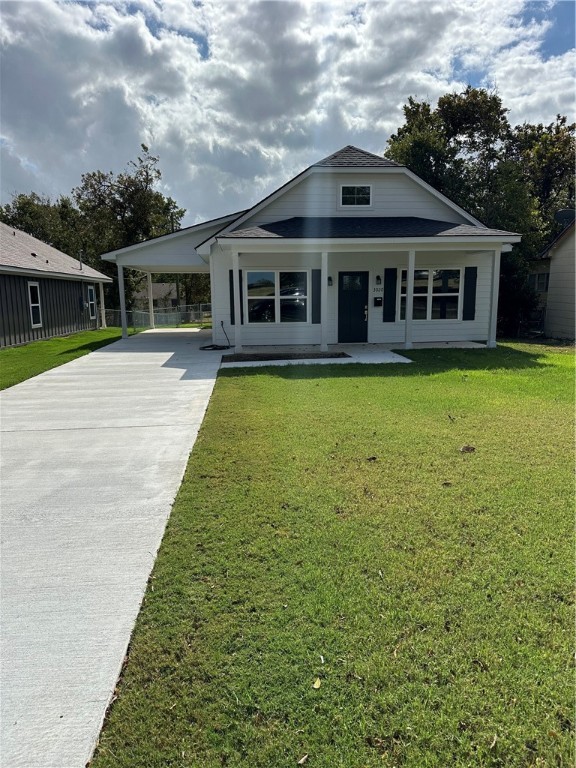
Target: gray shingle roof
<point>352,157</point>
<point>21,251</point>
<point>363,226</point>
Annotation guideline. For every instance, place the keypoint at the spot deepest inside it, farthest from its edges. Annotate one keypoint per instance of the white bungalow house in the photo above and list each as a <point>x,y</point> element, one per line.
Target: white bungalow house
<point>356,248</point>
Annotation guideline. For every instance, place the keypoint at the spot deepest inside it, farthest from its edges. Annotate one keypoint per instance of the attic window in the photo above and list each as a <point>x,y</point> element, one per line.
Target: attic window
<point>352,196</point>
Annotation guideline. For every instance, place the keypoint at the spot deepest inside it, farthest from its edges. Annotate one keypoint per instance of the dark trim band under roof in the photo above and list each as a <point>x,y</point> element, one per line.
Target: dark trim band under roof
<point>301,227</point>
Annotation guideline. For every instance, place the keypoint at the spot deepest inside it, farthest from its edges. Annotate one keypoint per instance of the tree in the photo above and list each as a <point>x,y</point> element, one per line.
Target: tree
<point>53,223</point>
<point>546,154</point>
<point>118,211</point>
<point>513,179</point>
<point>104,213</point>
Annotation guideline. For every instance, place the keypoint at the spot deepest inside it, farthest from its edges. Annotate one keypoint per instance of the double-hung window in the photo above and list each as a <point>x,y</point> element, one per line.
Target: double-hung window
<point>355,196</point>
<point>34,301</point>
<point>539,282</point>
<point>277,296</point>
<point>437,294</point>
<point>91,302</point>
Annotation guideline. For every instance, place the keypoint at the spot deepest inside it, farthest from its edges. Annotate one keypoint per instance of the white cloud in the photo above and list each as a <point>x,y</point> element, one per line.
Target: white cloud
<point>238,97</point>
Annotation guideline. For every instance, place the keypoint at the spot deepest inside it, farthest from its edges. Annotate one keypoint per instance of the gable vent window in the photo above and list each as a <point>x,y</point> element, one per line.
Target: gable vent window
<point>356,196</point>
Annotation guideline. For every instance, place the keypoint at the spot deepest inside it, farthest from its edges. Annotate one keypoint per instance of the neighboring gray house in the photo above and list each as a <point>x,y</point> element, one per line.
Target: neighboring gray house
<point>561,299</point>
<point>44,292</point>
<point>356,248</point>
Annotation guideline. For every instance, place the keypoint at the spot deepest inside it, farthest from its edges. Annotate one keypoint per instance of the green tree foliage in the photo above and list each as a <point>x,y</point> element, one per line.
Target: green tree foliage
<point>55,223</point>
<point>106,211</point>
<point>509,178</point>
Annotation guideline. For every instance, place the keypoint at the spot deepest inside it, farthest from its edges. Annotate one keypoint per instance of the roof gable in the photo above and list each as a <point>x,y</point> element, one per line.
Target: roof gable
<point>545,254</point>
<point>352,157</point>
<point>349,159</point>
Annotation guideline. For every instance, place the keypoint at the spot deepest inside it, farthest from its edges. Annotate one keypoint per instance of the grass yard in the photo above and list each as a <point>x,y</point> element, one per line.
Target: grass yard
<point>20,363</point>
<point>339,581</point>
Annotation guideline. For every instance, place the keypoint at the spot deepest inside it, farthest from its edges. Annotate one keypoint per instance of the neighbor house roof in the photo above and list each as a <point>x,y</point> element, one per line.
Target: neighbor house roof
<point>352,157</point>
<point>363,226</point>
<point>545,254</point>
<point>20,252</point>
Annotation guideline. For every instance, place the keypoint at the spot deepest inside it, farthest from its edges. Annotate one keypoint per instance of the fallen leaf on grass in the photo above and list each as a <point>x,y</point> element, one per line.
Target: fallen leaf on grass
<point>317,683</point>
<point>467,449</point>
<point>302,760</point>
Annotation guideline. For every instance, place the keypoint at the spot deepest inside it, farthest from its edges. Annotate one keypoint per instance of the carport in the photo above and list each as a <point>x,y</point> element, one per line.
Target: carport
<point>173,253</point>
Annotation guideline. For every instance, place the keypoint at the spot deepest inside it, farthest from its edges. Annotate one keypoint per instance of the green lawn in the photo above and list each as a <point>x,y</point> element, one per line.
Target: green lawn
<point>20,363</point>
<point>339,580</point>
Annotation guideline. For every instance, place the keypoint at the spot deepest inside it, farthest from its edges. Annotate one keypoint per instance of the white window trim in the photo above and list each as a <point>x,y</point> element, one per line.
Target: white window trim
<point>91,302</point>
<point>276,271</point>
<point>355,207</point>
<point>34,304</point>
<point>429,295</point>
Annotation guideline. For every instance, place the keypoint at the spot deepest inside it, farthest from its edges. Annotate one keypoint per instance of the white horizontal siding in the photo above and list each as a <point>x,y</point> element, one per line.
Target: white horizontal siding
<point>379,332</point>
<point>560,308</point>
<point>393,194</point>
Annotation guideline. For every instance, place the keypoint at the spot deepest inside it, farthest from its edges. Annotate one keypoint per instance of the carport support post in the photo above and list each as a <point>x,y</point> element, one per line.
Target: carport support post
<point>123,320</point>
<point>494,299</point>
<point>102,306</point>
<point>150,300</point>
<point>409,300</point>
<point>324,303</point>
<point>238,308</point>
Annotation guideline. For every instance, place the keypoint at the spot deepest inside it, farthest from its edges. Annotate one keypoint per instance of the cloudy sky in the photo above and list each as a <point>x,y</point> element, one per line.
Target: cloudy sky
<point>237,97</point>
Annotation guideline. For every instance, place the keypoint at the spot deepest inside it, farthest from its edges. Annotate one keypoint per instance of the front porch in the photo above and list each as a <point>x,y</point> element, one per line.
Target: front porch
<point>356,353</point>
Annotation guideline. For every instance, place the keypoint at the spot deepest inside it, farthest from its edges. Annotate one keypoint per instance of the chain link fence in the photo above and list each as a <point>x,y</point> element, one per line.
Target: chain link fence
<point>169,317</point>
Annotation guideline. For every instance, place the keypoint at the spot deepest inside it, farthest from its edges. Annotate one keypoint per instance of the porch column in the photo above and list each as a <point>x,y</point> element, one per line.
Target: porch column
<point>409,300</point>
<point>494,299</point>
<point>324,303</point>
<point>150,299</point>
<point>237,308</point>
<point>123,320</point>
<point>102,306</point>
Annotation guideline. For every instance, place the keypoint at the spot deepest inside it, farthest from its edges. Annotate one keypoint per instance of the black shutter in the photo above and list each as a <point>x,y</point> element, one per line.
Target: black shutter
<point>316,296</point>
<point>231,286</point>
<point>389,302</point>
<point>470,279</point>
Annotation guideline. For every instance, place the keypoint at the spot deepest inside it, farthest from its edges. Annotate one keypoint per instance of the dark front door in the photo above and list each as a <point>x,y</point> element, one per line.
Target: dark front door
<point>352,307</point>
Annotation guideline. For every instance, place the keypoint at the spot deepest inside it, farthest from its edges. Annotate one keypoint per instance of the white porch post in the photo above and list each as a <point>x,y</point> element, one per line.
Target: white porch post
<point>494,298</point>
<point>102,306</point>
<point>123,320</point>
<point>324,303</point>
<point>409,300</point>
<point>237,307</point>
<point>212,302</point>
<point>150,299</point>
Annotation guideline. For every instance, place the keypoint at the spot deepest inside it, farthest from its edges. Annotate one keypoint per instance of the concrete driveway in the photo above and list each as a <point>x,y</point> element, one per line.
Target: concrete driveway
<point>92,456</point>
